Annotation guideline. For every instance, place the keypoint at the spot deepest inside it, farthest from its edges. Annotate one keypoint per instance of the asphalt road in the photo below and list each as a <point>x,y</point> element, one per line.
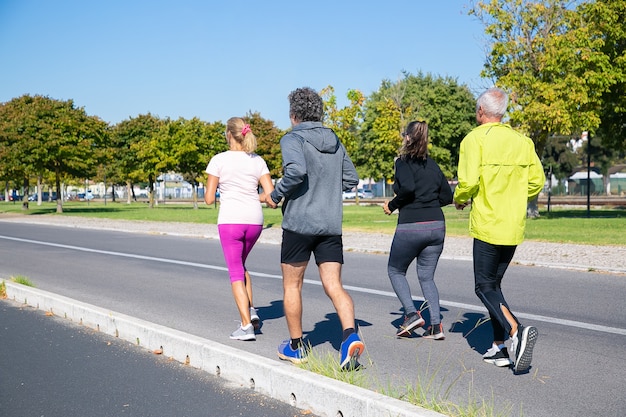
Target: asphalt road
<point>50,368</point>
<point>579,366</point>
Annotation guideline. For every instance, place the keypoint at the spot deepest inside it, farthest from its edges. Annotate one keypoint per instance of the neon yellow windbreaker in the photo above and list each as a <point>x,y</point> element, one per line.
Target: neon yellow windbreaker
<point>500,172</point>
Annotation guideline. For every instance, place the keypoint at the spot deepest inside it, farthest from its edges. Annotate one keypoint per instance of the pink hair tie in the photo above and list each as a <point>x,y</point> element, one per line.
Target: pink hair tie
<point>245,130</point>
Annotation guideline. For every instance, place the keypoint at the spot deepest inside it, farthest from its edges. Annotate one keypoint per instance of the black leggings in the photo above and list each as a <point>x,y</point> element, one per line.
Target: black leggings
<point>490,264</point>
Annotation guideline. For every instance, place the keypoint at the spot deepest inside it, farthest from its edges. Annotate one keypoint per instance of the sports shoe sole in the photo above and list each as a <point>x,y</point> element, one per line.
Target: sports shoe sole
<point>406,331</point>
<point>354,352</point>
<point>244,337</point>
<point>500,362</point>
<point>438,336</point>
<point>296,361</point>
<point>524,354</point>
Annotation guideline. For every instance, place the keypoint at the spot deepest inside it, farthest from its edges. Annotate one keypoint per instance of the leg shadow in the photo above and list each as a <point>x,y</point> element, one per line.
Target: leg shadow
<point>329,330</point>
<point>476,329</point>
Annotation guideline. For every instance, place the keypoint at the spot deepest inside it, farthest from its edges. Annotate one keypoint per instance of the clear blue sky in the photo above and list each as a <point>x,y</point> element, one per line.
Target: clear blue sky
<point>217,59</point>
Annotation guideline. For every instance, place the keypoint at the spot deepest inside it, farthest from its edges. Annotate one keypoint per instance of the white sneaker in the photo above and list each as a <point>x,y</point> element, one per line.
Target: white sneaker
<point>497,356</point>
<point>244,333</point>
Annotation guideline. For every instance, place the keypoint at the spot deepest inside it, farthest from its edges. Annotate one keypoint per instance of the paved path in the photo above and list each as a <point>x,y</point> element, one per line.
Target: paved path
<point>557,255</point>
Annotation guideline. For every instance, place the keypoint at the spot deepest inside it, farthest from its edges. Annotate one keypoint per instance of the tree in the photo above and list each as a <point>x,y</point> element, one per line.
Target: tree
<point>558,158</point>
<point>193,142</point>
<point>447,107</point>
<point>607,17</point>
<point>551,61</point>
<point>54,136</point>
<point>129,138</point>
<point>346,121</point>
<point>268,141</point>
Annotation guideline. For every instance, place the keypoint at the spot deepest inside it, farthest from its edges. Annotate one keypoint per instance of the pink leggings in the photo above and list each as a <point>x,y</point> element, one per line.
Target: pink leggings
<point>237,241</point>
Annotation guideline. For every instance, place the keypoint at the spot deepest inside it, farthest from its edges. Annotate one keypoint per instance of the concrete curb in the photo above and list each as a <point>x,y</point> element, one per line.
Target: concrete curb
<point>303,389</point>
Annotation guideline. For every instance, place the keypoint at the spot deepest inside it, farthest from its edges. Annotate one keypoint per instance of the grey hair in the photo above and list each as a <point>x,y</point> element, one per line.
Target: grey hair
<point>494,102</point>
<point>305,105</point>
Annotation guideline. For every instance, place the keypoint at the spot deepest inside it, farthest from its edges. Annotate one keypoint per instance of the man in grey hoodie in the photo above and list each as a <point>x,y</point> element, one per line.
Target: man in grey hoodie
<point>316,170</point>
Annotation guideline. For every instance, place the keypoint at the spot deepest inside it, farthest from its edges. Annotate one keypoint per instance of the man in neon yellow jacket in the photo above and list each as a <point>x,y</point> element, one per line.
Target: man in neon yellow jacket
<point>498,173</point>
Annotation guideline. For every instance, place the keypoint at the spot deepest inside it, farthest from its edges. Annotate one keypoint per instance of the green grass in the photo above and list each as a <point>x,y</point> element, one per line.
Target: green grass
<point>20,279</point>
<point>431,389</point>
<point>602,227</point>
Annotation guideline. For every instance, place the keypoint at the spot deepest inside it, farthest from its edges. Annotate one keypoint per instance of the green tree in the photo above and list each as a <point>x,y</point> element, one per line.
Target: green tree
<point>268,142</point>
<point>192,143</point>
<point>447,107</point>
<point>607,17</point>
<point>128,140</point>
<point>54,136</point>
<point>558,158</point>
<point>551,61</point>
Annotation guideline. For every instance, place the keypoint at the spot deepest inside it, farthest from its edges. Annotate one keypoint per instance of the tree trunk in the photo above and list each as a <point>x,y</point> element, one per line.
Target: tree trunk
<point>532,209</point>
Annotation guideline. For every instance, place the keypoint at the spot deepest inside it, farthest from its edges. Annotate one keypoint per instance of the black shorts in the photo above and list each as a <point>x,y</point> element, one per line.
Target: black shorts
<point>297,248</point>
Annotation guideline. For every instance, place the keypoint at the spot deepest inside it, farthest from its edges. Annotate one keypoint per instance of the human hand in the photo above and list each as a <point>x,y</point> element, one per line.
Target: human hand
<point>386,208</point>
<point>267,199</point>
<point>461,206</point>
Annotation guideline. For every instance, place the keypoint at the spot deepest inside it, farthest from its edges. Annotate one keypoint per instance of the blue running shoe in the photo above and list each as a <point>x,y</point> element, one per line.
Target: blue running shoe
<point>286,353</point>
<point>351,349</point>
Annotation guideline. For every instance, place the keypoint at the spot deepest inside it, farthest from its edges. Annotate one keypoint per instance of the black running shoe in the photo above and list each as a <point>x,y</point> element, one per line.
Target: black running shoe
<point>522,344</point>
<point>410,323</point>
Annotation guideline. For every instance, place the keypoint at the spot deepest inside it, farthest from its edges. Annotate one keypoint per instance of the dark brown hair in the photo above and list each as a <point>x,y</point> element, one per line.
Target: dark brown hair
<point>415,141</point>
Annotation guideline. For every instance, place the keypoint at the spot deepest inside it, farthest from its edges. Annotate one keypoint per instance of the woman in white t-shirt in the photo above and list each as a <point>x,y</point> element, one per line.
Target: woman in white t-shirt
<point>238,173</point>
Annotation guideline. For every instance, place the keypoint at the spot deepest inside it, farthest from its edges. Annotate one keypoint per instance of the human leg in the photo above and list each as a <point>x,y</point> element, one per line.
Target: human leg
<point>330,275</point>
<point>231,239</point>
<point>403,251</point>
<point>293,278</point>
<point>250,238</point>
<point>426,265</point>
<point>251,235</point>
<point>328,252</point>
<point>490,264</point>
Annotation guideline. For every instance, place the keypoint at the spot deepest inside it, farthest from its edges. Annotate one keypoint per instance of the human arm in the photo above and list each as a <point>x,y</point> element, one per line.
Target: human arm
<point>445,192</point>
<point>294,168</point>
<point>403,186</point>
<point>468,173</point>
<point>350,178</point>
<point>211,188</point>
<point>536,177</point>
<point>268,187</point>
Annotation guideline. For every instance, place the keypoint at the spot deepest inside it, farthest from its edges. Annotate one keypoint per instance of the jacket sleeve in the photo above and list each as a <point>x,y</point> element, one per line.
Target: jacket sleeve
<point>404,186</point>
<point>468,171</point>
<point>294,168</point>
<point>350,178</point>
<point>445,192</point>
<point>536,177</point>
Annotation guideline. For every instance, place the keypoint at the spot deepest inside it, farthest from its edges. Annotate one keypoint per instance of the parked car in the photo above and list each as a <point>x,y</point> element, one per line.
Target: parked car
<point>368,194</point>
<point>351,195</point>
<point>45,196</point>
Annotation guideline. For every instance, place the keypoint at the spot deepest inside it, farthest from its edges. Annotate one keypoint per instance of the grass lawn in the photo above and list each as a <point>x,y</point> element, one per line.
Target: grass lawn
<point>567,225</point>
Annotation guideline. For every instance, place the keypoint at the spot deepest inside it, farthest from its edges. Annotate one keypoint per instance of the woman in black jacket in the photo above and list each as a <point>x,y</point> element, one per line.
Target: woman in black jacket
<point>421,190</point>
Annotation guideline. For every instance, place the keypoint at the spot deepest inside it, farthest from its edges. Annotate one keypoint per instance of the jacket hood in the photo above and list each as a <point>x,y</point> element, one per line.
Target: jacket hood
<point>324,139</point>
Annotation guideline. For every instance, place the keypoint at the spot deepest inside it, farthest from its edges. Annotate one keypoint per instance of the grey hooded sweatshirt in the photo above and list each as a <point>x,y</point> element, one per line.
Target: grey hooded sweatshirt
<point>316,170</point>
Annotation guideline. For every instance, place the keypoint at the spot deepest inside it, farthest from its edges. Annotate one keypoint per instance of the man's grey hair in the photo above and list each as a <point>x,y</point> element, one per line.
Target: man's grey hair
<point>305,105</point>
<point>494,102</point>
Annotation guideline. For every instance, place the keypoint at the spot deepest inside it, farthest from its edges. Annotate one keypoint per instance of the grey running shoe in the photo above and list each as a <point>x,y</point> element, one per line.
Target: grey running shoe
<point>498,357</point>
<point>434,332</point>
<point>242,333</point>
<point>254,318</point>
<point>522,344</point>
<point>410,323</point>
